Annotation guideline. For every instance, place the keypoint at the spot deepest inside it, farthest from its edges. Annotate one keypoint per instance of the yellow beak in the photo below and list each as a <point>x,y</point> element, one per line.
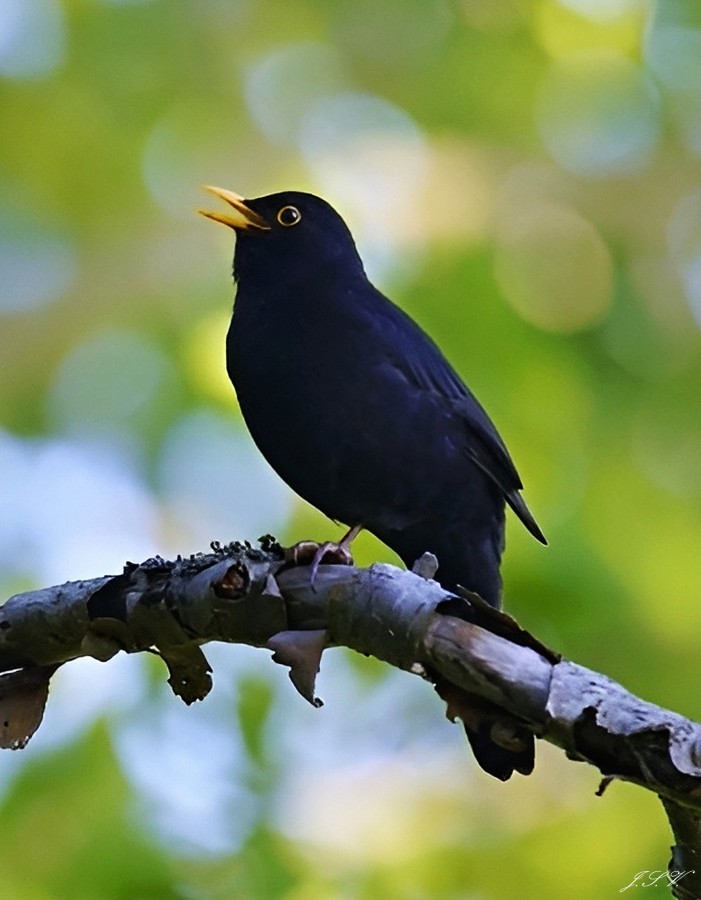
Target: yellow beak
<point>241,219</point>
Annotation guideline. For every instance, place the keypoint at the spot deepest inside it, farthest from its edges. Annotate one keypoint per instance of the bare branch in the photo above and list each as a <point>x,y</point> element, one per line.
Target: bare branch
<point>241,594</point>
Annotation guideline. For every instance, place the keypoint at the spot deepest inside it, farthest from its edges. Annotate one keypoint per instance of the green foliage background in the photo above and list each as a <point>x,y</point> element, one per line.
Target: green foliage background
<point>524,177</point>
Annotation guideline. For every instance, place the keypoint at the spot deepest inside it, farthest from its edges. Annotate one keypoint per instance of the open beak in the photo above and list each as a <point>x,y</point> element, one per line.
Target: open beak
<point>241,219</point>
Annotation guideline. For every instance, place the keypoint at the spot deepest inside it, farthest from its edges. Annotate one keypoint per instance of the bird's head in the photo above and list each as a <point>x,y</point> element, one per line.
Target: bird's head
<point>292,231</point>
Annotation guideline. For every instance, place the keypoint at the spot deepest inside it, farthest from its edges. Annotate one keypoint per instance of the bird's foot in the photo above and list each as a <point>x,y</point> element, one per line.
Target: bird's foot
<point>313,554</point>
<point>303,553</point>
<point>339,555</point>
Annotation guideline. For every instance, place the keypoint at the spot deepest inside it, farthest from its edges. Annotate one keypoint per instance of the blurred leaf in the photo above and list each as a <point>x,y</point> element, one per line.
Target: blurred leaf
<point>254,700</point>
<point>69,831</point>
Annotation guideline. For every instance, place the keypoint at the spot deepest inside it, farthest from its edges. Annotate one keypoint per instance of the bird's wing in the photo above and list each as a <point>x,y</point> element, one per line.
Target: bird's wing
<point>424,366</point>
<point>486,449</point>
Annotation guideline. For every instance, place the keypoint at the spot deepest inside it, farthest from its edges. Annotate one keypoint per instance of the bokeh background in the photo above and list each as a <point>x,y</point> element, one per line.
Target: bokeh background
<point>524,177</point>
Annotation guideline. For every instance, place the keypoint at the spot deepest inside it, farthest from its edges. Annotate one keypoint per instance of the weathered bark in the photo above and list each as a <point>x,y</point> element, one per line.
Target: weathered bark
<point>241,594</point>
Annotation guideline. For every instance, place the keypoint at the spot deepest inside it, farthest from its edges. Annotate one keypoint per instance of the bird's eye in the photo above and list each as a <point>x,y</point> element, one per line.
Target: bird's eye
<point>289,215</point>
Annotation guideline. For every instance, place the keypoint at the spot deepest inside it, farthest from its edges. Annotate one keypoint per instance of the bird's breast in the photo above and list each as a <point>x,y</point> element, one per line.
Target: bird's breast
<point>332,414</point>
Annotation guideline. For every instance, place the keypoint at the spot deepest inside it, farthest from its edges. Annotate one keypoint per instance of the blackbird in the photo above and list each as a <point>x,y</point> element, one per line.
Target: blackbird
<point>360,413</point>
<point>353,405</point>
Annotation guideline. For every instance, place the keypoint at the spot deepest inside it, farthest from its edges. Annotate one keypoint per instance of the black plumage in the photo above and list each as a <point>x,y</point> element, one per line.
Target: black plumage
<point>353,404</point>
<point>360,413</point>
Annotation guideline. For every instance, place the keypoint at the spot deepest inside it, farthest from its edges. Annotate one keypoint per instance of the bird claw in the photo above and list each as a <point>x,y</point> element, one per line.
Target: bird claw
<point>301,554</point>
<point>340,556</point>
<point>311,553</point>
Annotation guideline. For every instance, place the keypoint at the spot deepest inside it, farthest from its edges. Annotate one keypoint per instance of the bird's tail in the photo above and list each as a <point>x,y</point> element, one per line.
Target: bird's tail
<point>518,504</point>
<point>501,745</point>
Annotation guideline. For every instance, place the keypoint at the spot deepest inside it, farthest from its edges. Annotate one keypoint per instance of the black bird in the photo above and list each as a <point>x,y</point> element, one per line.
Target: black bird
<point>360,413</point>
<point>353,405</point>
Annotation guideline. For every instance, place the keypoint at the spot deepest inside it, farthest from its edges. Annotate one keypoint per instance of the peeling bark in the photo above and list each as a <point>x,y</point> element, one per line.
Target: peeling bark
<point>241,594</point>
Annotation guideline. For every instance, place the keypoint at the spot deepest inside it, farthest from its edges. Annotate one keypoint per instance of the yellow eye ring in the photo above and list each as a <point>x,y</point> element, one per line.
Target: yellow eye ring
<point>288,216</point>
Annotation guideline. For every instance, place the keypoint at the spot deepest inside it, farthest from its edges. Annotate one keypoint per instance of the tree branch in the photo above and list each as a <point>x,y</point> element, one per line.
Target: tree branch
<point>241,594</point>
